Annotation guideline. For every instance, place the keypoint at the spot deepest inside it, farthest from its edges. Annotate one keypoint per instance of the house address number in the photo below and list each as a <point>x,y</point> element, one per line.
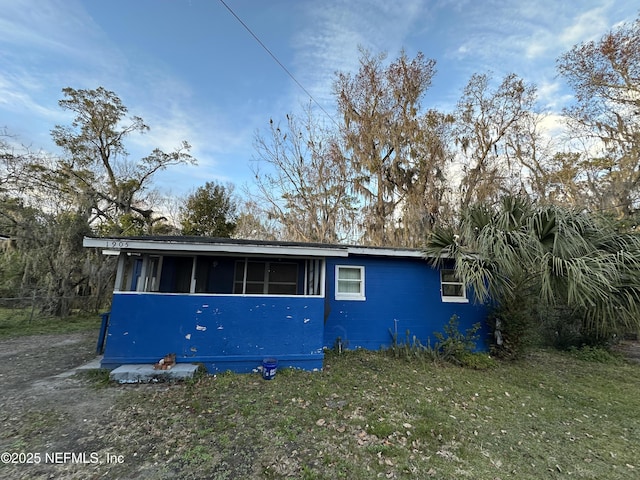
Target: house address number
<point>117,244</point>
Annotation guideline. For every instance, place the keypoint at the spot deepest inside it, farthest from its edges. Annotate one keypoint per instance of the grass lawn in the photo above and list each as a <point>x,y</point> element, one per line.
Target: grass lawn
<point>16,322</point>
<point>371,415</point>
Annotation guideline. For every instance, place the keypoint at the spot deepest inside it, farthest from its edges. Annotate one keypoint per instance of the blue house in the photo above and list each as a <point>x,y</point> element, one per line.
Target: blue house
<point>228,303</point>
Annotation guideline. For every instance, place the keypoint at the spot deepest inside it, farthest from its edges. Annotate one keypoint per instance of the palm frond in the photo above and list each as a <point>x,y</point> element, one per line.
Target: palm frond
<point>561,256</point>
<point>442,243</point>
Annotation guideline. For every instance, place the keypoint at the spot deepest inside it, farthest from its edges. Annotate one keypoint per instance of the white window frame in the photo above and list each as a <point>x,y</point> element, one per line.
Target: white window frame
<point>452,298</point>
<point>350,296</point>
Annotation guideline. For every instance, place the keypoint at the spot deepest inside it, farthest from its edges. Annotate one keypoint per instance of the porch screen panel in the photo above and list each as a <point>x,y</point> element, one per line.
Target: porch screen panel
<point>215,275</point>
<point>282,278</point>
<point>176,275</point>
<point>277,277</point>
<point>255,278</point>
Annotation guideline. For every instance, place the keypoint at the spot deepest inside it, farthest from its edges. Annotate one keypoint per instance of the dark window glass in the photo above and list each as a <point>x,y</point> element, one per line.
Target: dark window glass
<point>450,284</point>
<point>255,271</point>
<point>452,290</point>
<point>215,274</point>
<point>276,278</point>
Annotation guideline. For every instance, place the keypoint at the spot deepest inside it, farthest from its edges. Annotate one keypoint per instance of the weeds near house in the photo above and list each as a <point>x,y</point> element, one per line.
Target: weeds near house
<point>452,347</point>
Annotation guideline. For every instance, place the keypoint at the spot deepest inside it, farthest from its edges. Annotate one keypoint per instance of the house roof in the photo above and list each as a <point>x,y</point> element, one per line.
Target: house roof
<point>240,246</point>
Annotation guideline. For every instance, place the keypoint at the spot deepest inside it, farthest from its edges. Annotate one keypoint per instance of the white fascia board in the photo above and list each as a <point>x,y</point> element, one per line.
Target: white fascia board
<point>386,252</point>
<point>138,245</point>
<point>389,252</point>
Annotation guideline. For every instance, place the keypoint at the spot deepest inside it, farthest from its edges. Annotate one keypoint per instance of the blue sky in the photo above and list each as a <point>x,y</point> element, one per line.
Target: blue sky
<point>192,71</point>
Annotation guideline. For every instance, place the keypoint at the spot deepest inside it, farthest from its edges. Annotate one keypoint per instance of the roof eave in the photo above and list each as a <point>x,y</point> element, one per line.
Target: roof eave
<point>244,248</point>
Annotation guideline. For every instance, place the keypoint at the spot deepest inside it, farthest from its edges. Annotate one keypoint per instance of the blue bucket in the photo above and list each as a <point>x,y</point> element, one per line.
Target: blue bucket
<point>269,367</point>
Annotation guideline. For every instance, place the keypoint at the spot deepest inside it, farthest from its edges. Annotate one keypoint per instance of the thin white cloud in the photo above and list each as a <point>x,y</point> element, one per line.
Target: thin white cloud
<point>551,95</point>
<point>46,47</point>
<point>552,125</point>
<point>174,119</point>
<point>59,27</point>
<point>586,26</point>
<point>494,29</point>
<point>504,37</point>
<point>526,38</point>
<point>15,96</point>
<point>334,30</point>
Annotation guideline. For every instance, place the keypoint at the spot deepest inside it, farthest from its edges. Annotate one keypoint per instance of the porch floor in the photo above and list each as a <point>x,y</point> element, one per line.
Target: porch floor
<point>146,373</point>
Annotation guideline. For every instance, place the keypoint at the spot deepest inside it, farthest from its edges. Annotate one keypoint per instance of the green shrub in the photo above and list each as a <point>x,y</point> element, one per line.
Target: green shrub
<point>477,360</point>
<point>455,345</point>
<point>511,325</point>
<point>596,354</point>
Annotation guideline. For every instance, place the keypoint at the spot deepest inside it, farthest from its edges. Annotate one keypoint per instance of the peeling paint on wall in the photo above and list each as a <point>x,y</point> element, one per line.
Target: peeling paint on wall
<point>164,323</point>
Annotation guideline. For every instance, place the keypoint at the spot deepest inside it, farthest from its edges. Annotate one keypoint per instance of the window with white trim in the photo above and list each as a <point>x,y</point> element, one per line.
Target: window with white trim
<point>452,288</point>
<point>349,283</point>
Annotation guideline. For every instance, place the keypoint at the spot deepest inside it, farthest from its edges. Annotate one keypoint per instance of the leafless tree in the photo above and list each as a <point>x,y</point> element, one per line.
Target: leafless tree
<point>303,181</point>
<point>490,126</point>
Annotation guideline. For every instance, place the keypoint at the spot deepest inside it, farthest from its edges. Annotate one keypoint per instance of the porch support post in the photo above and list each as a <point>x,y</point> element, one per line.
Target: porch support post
<point>119,272</point>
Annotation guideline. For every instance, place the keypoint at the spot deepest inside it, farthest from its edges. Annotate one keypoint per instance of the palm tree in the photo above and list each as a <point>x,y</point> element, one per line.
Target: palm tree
<point>519,256</point>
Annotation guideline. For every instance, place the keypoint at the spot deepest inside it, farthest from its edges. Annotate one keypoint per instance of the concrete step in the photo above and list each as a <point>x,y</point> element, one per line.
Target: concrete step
<point>146,373</point>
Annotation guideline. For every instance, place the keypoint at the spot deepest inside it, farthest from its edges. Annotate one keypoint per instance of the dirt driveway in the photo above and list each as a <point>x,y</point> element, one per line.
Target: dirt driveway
<point>53,422</point>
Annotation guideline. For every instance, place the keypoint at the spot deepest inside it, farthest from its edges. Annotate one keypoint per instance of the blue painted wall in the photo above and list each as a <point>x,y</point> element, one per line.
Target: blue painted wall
<point>231,332</point>
<point>399,291</point>
<point>236,332</point>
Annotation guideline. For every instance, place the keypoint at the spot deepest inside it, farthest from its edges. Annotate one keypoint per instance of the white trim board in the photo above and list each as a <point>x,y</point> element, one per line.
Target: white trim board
<point>139,245</point>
